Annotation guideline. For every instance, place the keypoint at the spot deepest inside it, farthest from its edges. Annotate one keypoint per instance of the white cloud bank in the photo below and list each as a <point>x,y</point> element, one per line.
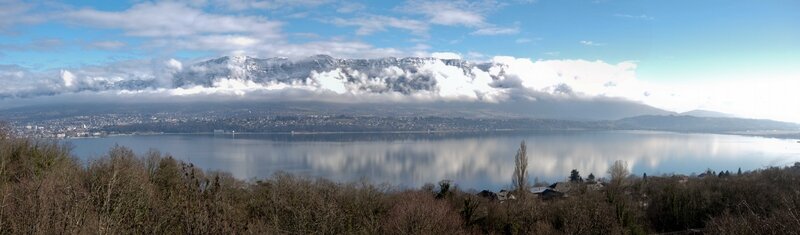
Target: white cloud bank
<point>446,55</point>
<point>775,98</point>
<point>417,80</point>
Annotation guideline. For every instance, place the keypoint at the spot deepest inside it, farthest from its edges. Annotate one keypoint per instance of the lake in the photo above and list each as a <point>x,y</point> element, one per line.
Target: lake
<point>470,160</point>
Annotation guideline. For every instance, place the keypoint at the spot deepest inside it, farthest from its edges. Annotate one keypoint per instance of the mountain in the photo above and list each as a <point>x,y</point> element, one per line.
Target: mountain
<point>682,123</point>
<point>362,72</point>
<point>706,113</point>
<point>415,77</point>
<point>237,87</point>
<point>594,110</point>
<point>375,87</point>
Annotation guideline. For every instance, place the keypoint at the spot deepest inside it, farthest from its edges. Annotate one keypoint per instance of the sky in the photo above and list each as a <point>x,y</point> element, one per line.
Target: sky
<point>738,57</point>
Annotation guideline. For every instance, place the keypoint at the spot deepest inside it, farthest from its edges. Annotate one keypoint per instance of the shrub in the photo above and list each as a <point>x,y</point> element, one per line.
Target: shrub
<point>420,213</point>
<point>45,191</point>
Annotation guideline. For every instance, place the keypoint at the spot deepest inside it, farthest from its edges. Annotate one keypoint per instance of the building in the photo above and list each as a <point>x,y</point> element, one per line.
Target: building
<point>505,195</point>
<point>546,193</point>
<point>562,187</point>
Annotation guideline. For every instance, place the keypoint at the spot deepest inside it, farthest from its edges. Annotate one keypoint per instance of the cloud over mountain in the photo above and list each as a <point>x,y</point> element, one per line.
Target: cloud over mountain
<point>444,77</point>
<point>388,79</point>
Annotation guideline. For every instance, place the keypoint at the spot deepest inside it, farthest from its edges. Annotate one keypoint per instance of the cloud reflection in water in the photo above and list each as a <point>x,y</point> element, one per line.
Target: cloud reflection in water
<point>471,160</point>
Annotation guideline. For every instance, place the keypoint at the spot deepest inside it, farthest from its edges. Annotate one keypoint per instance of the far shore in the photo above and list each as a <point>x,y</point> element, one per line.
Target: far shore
<point>764,134</point>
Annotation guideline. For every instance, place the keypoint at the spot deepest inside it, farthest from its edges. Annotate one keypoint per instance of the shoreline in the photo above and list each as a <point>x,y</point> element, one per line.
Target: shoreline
<point>783,135</point>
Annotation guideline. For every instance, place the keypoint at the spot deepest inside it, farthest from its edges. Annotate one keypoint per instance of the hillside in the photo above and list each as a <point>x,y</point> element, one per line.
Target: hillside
<point>702,124</point>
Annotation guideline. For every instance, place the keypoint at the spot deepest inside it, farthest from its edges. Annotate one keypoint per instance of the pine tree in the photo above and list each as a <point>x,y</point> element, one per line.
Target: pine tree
<point>575,176</point>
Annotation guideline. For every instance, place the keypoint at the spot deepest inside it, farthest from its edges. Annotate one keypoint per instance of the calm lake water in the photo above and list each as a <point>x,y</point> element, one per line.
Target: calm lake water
<point>478,161</point>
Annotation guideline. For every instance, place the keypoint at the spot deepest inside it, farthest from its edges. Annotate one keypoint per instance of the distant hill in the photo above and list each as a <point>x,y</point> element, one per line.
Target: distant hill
<point>707,113</point>
<point>599,114</point>
<point>685,123</point>
<point>544,108</point>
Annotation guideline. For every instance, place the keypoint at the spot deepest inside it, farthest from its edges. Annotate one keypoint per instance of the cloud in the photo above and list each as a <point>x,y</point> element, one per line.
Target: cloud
<point>226,44</point>
<point>171,26</point>
<point>168,27</point>
<point>107,45</point>
<point>636,17</point>
<point>68,78</point>
<point>174,64</point>
<point>523,40</point>
<point>499,79</point>
<point>239,5</point>
<point>448,13</point>
<point>334,81</point>
<point>172,19</point>
<point>452,13</point>
<point>473,163</point>
<point>15,13</point>
<point>591,43</point>
<point>350,7</point>
<point>344,49</point>
<point>552,53</point>
<point>373,23</point>
<point>298,15</point>
<point>306,35</point>
<point>446,55</point>
<point>747,95</point>
<point>588,78</point>
<point>496,31</point>
<point>470,14</point>
<point>475,56</point>
<point>21,83</point>
<point>47,44</point>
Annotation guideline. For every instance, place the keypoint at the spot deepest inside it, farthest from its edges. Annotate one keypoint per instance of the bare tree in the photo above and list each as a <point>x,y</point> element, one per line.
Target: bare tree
<point>619,171</point>
<point>520,178</point>
<point>5,130</point>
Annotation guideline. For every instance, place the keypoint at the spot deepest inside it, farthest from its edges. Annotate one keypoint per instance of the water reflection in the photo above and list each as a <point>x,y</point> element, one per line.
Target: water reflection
<point>471,160</point>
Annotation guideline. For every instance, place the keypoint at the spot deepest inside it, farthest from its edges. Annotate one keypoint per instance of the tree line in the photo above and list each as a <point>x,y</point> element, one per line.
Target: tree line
<point>46,190</point>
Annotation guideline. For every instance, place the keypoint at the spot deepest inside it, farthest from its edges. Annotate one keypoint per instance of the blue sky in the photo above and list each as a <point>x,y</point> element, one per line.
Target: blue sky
<point>675,43</point>
<point>668,39</point>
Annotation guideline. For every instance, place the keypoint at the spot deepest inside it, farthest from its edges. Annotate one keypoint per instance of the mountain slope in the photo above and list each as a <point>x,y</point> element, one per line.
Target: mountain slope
<point>706,113</point>
<point>378,87</point>
<point>702,124</point>
<point>402,75</point>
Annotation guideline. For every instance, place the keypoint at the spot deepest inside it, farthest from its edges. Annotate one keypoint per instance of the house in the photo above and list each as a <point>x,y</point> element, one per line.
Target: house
<point>595,186</point>
<point>500,196</point>
<point>537,190</point>
<point>563,187</point>
<point>505,195</point>
<point>546,193</point>
<point>488,195</point>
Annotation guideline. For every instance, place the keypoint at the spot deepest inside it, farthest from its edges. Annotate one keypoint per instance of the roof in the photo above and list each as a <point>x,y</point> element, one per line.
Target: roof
<point>505,195</point>
<point>539,189</point>
<point>563,187</point>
